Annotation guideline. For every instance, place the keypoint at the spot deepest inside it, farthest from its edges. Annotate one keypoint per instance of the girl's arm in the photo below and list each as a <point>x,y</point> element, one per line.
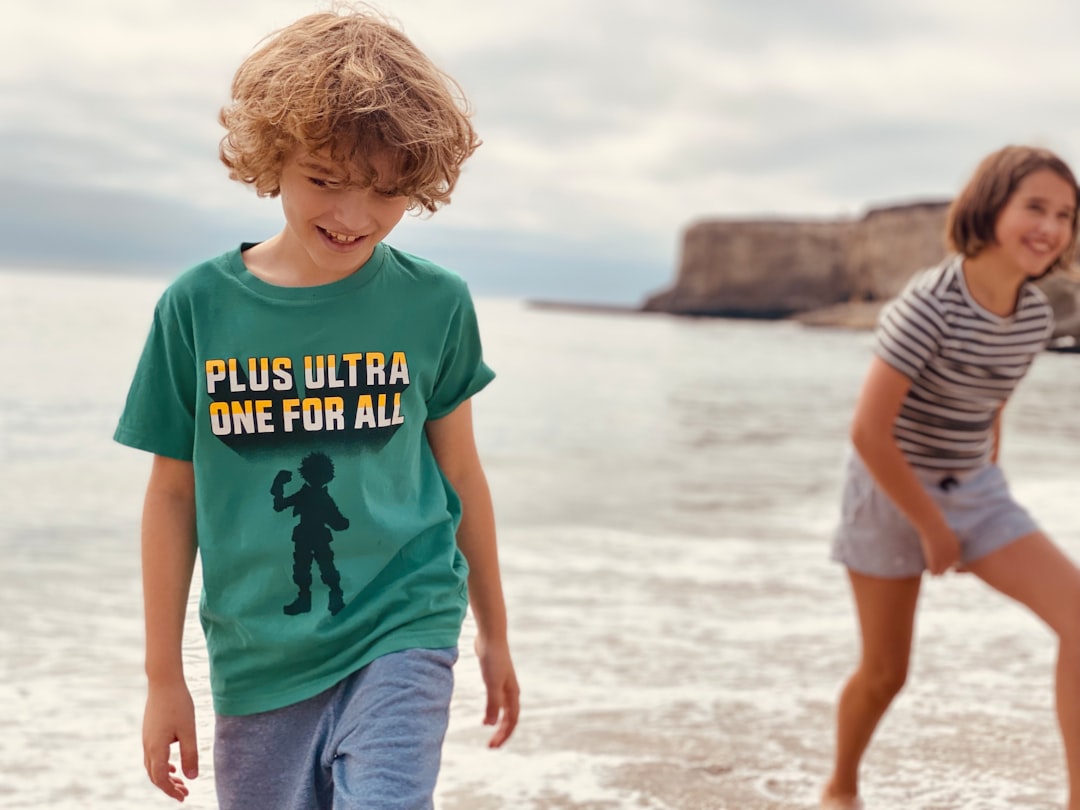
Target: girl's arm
<point>168,560</point>
<point>878,406</point>
<point>454,445</point>
<point>996,453</point>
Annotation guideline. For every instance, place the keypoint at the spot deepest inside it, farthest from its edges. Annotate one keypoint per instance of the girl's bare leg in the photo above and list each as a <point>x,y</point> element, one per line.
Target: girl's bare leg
<point>886,610</point>
<point>1036,573</point>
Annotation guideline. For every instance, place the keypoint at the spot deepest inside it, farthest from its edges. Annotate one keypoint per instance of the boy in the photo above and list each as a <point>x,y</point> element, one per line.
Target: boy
<point>321,351</point>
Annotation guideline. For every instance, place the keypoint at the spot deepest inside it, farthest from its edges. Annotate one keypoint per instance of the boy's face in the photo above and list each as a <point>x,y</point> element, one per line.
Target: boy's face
<point>333,223</point>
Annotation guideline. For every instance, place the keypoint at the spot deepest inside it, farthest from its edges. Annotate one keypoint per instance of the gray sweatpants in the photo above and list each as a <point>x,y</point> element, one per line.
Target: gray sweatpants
<point>373,741</point>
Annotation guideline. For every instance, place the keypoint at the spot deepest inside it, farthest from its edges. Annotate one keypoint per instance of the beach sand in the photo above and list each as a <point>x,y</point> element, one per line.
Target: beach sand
<point>664,510</point>
<point>701,675</point>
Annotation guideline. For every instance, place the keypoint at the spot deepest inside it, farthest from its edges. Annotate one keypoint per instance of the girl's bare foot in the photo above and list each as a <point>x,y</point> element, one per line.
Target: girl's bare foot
<point>841,803</point>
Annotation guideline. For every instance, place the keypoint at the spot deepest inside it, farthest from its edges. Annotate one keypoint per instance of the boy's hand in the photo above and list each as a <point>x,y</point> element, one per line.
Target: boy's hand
<point>169,718</point>
<point>503,693</point>
<point>941,549</point>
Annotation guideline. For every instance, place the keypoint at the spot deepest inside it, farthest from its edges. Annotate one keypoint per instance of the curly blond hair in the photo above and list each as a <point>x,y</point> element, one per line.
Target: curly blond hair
<point>349,82</point>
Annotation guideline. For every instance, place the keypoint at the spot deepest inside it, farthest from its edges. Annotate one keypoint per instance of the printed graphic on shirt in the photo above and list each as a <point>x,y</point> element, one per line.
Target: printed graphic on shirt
<point>312,536</point>
<point>277,402</point>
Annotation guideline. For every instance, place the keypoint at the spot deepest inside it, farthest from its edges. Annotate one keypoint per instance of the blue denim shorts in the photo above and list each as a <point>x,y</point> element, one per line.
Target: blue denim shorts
<point>875,538</point>
<point>374,740</point>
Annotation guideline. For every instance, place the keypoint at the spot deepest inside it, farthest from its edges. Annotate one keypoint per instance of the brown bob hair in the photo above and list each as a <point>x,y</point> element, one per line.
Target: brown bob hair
<point>970,226</point>
<point>351,83</point>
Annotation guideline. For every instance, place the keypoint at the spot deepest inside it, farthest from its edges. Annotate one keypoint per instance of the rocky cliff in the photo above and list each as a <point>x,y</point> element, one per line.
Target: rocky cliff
<point>827,272</point>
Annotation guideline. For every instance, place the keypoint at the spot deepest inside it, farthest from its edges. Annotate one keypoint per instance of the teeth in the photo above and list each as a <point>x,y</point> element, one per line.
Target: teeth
<point>340,237</point>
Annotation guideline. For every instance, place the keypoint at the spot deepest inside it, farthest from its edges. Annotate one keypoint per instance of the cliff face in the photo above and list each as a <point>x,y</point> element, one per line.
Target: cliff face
<point>759,269</point>
<point>775,269</point>
<point>1064,294</point>
<point>889,244</point>
<point>768,269</point>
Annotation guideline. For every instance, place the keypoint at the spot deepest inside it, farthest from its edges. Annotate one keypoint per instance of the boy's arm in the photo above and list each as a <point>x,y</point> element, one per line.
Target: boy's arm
<point>879,404</point>
<point>168,560</point>
<point>454,445</point>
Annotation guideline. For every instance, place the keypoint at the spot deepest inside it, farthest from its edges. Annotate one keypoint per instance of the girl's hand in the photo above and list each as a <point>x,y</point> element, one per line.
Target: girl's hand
<point>941,549</point>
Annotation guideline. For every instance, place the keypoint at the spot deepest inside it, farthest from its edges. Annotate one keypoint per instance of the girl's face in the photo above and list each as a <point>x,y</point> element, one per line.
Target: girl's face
<point>1036,223</point>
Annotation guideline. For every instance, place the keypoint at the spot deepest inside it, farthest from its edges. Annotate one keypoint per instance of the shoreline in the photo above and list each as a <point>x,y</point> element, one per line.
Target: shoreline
<point>584,306</point>
<point>860,316</point>
<point>856,316</point>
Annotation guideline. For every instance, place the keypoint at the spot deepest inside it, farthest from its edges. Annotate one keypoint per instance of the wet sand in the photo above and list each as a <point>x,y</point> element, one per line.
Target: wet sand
<point>664,511</point>
<point>702,676</point>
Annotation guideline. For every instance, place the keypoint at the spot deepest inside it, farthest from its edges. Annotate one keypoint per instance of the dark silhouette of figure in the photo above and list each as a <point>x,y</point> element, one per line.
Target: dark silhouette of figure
<point>311,538</point>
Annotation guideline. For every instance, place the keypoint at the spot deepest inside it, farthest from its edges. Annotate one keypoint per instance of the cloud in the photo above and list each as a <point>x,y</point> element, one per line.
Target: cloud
<point>608,125</point>
<point>112,230</point>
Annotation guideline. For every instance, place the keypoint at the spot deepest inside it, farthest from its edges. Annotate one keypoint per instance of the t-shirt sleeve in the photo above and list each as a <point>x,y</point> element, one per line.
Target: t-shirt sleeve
<point>462,371</point>
<point>1046,310</point>
<point>909,332</point>
<point>159,415</point>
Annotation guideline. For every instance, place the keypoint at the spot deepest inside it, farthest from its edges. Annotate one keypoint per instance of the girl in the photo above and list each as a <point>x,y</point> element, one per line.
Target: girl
<point>923,490</point>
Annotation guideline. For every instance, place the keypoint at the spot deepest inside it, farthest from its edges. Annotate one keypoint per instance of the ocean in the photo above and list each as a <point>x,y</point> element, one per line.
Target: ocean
<point>665,490</point>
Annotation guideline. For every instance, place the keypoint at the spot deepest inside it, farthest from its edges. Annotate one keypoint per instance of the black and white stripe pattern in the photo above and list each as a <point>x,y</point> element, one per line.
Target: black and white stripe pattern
<point>963,362</point>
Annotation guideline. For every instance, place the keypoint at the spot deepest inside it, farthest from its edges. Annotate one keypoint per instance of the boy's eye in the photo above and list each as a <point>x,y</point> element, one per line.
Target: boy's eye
<point>388,193</point>
<point>322,182</point>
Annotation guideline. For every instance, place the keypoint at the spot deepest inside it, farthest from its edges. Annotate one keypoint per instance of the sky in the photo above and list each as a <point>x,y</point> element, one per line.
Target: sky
<point>609,126</point>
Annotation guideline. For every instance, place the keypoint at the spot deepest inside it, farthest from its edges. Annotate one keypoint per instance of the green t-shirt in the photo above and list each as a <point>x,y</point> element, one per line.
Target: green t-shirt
<point>303,412</point>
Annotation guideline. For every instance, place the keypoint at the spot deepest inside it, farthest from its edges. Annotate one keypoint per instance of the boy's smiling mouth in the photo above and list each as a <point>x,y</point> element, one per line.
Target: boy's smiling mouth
<point>339,238</point>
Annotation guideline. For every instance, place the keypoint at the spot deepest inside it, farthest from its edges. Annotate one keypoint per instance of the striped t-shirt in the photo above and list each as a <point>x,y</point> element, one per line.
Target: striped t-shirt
<point>963,363</point>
